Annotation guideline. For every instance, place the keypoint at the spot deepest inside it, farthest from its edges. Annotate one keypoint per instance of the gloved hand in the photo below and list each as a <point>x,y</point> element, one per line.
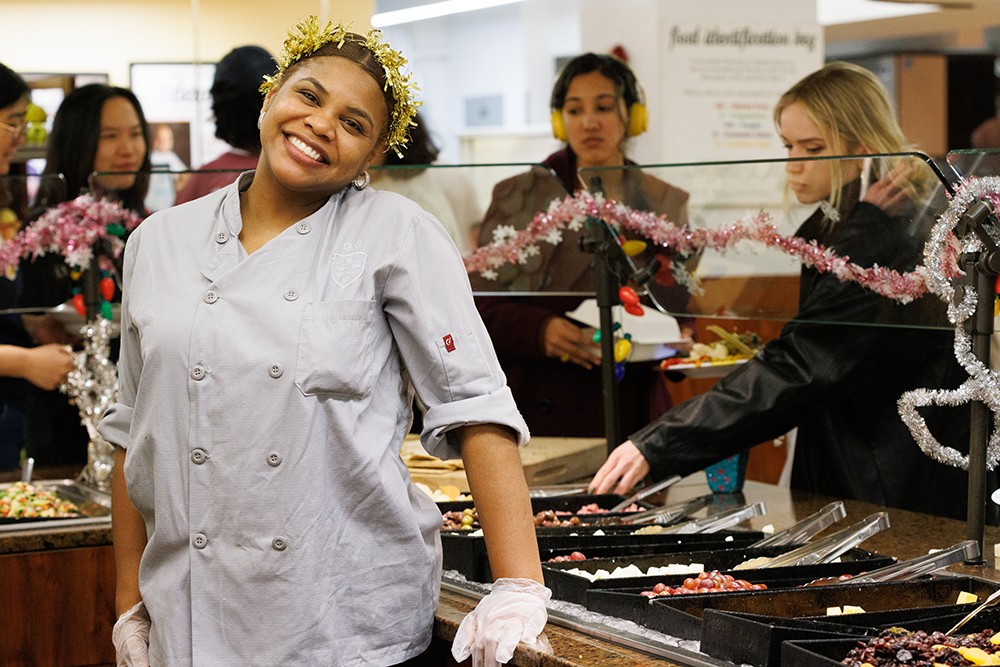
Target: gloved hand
<point>513,612</point>
<point>131,637</point>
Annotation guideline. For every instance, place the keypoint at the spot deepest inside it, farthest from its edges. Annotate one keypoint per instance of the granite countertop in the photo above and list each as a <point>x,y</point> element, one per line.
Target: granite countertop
<point>910,535</point>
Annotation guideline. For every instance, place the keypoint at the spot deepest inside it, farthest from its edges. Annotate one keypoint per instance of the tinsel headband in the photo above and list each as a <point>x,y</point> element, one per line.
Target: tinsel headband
<point>307,37</point>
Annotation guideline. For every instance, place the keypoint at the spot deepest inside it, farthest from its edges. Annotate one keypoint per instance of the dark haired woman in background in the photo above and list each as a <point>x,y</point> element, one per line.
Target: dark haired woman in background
<point>44,366</point>
<point>596,106</point>
<point>99,143</point>
<point>236,101</point>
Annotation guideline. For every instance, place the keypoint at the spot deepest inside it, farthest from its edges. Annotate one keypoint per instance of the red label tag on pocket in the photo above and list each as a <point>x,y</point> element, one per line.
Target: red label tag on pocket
<point>449,343</point>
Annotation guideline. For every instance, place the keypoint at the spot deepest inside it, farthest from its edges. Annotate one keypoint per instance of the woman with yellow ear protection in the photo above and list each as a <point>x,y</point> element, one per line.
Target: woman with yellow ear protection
<point>552,364</point>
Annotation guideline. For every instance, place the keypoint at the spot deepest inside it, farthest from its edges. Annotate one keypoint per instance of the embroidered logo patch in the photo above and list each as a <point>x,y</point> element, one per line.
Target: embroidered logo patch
<point>348,268</point>
<point>449,343</point>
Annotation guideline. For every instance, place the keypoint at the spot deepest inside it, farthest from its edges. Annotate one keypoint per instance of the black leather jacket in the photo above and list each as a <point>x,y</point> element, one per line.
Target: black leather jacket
<point>836,372</point>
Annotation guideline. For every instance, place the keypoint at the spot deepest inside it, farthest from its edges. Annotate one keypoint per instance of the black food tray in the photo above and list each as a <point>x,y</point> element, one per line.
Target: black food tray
<point>574,588</point>
<point>467,553</point>
<point>942,619</point>
<point>817,652</point>
<point>626,544</point>
<point>570,504</point>
<point>755,639</point>
<point>687,611</point>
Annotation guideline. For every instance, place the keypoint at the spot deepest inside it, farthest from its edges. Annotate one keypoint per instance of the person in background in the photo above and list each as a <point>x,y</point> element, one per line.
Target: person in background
<point>21,363</point>
<point>99,145</point>
<point>236,100</point>
<point>446,193</point>
<point>273,335</point>
<point>597,105</point>
<point>167,176</point>
<point>986,135</point>
<point>831,373</point>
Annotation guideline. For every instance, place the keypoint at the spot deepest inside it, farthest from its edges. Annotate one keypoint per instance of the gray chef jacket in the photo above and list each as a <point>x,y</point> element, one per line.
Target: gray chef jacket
<point>263,401</point>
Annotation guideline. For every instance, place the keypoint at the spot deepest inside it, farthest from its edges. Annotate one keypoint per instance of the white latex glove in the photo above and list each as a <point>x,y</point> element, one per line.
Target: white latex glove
<point>131,637</point>
<point>513,612</point>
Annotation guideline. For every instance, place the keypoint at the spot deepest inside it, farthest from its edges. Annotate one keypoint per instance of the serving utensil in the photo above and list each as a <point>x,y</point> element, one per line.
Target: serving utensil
<point>921,565</point>
<point>806,528</point>
<point>720,521</point>
<point>833,546</point>
<point>555,490</point>
<point>27,469</point>
<point>645,492</point>
<point>988,602</point>
<point>664,515</point>
<point>912,568</point>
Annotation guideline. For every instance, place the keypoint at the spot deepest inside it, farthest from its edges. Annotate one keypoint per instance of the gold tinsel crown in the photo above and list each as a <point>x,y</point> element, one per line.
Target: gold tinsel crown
<point>307,37</point>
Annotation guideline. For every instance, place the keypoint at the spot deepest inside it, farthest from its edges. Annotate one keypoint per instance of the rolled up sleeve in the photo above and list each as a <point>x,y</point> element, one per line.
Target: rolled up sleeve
<point>442,341</point>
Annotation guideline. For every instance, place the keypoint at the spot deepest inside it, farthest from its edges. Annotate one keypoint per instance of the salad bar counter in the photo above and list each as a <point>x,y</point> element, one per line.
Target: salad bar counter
<point>683,577</point>
<point>805,580</point>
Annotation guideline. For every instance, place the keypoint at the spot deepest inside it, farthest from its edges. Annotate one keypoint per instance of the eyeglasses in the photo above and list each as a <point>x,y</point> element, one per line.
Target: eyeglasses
<point>17,128</point>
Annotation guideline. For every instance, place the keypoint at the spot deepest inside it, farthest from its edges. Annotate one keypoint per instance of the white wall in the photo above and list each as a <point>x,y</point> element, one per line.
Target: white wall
<point>104,36</point>
<point>508,51</point>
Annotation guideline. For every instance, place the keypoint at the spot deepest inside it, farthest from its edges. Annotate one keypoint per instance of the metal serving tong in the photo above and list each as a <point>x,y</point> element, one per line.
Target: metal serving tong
<point>664,515</point>
<point>806,528</point>
<point>921,565</point>
<point>555,490</point>
<point>912,568</point>
<point>717,522</point>
<point>829,548</point>
<point>645,492</point>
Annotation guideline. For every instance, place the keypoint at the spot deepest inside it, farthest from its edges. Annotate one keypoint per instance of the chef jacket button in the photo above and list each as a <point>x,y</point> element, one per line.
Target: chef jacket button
<point>198,456</point>
<point>199,541</point>
<point>303,228</point>
<point>275,371</point>
<point>274,459</point>
<point>291,295</point>
<point>221,237</point>
<point>279,544</point>
<point>198,373</point>
<point>211,296</point>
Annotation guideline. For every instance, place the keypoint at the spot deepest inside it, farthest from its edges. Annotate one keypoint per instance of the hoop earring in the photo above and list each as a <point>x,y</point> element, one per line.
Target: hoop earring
<point>361,181</point>
<point>260,119</point>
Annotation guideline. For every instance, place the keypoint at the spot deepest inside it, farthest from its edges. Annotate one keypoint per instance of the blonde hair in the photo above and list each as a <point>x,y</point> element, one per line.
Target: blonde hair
<point>851,108</point>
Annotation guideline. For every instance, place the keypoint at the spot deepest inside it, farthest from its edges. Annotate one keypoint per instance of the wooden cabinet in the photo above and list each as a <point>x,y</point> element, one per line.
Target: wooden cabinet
<point>939,98</point>
<point>58,608</point>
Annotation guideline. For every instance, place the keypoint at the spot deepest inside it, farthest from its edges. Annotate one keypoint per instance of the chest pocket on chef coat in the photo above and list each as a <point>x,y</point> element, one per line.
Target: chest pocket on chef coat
<point>336,349</point>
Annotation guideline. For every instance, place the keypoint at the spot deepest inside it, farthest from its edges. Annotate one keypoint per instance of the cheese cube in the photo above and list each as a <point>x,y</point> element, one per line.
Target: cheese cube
<point>966,597</point>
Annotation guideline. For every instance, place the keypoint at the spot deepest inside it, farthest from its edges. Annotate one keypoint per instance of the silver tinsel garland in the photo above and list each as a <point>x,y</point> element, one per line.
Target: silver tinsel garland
<point>93,387</point>
<point>983,384</point>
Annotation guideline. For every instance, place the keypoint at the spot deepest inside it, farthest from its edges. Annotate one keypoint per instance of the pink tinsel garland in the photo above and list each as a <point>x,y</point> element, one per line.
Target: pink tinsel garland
<point>514,247</point>
<point>71,228</point>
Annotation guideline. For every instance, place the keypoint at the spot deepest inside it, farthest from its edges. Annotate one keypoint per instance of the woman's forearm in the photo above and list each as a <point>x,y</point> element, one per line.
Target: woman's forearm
<point>128,529</point>
<point>496,479</point>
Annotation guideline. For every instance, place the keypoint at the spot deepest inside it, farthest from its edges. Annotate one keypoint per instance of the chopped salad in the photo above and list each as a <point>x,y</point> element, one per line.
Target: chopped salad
<point>24,501</point>
<point>730,348</point>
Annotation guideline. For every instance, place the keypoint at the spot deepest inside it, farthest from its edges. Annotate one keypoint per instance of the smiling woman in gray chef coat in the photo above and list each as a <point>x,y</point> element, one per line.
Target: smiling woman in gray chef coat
<point>272,335</point>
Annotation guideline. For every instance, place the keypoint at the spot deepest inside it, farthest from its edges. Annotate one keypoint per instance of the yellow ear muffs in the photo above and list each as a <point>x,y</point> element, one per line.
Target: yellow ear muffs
<point>638,122</point>
<point>558,126</point>
<point>638,119</point>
